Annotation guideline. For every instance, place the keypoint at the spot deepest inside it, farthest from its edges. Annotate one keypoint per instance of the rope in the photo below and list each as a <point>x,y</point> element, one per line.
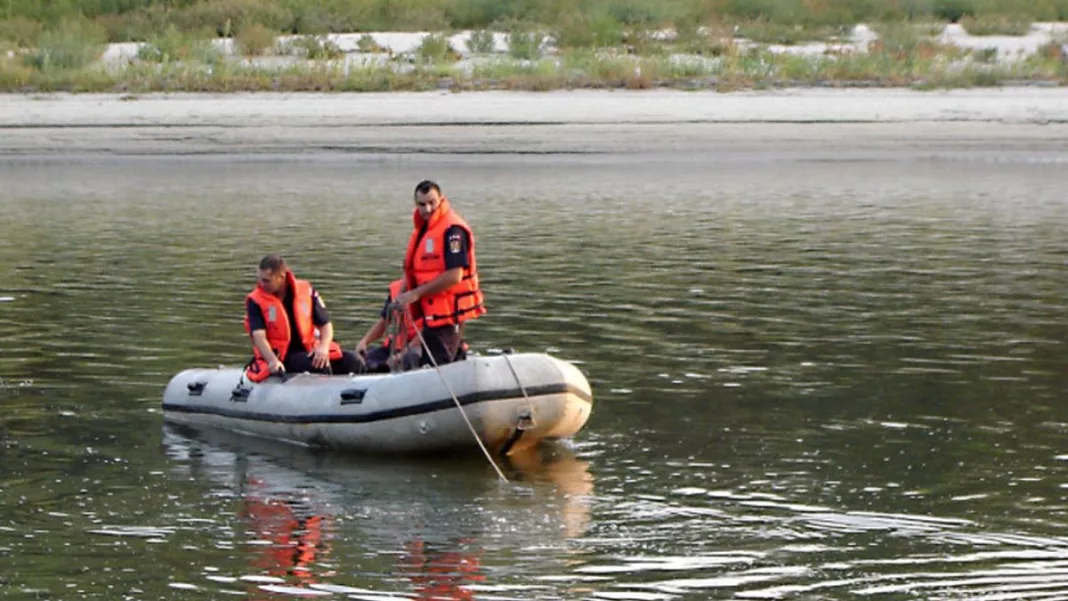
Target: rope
<point>434,362</point>
<point>530,404</point>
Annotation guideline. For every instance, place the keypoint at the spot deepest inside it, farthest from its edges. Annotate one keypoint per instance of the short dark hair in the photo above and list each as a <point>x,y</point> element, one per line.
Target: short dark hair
<point>273,263</point>
<point>425,186</point>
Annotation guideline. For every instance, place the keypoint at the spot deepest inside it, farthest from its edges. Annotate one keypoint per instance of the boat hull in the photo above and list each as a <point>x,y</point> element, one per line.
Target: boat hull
<point>511,401</point>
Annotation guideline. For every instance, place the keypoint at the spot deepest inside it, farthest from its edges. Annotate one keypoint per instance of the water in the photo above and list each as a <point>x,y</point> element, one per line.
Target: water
<point>813,379</point>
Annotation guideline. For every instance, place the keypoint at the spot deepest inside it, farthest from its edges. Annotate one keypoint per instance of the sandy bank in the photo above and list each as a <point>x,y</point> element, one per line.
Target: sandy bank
<point>1013,105</point>
<point>576,121</point>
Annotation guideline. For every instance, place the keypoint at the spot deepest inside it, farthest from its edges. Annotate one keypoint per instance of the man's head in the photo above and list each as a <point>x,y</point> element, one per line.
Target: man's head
<point>427,198</point>
<point>272,278</point>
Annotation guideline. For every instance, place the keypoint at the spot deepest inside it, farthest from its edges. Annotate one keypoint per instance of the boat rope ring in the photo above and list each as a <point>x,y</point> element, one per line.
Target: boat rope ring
<point>425,426</point>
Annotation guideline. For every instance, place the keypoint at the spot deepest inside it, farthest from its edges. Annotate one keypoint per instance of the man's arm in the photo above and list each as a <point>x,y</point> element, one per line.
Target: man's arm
<point>259,340</point>
<point>258,327</point>
<point>456,260</point>
<point>326,336</point>
<point>373,333</point>
<point>320,357</point>
<point>443,282</point>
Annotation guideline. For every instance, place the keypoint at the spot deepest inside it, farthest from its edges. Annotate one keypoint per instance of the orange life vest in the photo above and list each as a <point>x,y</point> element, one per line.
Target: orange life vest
<point>413,326</point>
<point>277,324</point>
<point>425,260</point>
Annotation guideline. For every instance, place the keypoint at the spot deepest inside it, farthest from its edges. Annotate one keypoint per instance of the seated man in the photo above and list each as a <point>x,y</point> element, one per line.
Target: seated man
<point>400,350</point>
<point>290,328</point>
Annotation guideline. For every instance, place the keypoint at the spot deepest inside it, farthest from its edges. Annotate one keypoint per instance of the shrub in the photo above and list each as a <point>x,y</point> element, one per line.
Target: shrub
<point>255,39</point>
<point>952,10</point>
<point>175,46</point>
<point>20,31</point>
<point>481,42</point>
<point>525,45</point>
<point>72,44</point>
<point>367,43</point>
<point>435,48</point>
<point>314,47</point>
<point>224,17</point>
<point>588,30</point>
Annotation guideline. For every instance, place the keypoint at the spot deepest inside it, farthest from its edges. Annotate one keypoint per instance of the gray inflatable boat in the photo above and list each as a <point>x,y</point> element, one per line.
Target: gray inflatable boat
<point>511,401</point>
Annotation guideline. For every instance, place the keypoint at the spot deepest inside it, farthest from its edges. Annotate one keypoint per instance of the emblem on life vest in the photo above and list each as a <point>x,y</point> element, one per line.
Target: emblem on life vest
<point>272,314</point>
<point>429,245</point>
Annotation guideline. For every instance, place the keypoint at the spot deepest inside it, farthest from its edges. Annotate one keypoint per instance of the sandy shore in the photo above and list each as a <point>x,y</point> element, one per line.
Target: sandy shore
<point>554,122</point>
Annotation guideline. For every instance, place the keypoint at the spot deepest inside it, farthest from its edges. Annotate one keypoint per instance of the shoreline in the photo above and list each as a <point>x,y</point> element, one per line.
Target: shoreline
<point>790,105</point>
<point>796,122</point>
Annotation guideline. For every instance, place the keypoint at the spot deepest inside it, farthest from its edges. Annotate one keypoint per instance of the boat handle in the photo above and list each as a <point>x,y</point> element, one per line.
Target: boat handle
<point>240,394</point>
<point>352,396</point>
<point>196,388</point>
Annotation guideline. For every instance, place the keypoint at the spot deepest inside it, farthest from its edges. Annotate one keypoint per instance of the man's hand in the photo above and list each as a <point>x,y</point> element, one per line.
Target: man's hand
<point>320,359</point>
<point>276,366</point>
<point>395,361</point>
<point>406,298</point>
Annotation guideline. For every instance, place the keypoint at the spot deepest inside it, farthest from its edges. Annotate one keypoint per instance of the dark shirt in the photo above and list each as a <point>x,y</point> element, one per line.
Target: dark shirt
<point>320,317</point>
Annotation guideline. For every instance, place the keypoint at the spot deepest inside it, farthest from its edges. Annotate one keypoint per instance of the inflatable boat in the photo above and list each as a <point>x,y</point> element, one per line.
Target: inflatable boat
<point>511,401</point>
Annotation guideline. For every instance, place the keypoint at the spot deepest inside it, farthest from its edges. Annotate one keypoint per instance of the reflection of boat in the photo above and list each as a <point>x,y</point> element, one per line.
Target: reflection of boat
<point>392,494</point>
<point>512,402</point>
<point>302,510</point>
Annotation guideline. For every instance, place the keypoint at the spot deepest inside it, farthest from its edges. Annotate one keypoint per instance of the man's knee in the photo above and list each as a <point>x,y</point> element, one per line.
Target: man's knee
<point>347,364</point>
<point>297,362</point>
<point>377,359</point>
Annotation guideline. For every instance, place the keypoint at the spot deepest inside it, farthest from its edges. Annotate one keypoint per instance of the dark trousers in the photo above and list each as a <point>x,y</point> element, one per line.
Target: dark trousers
<point>446,344</point>
<point>377,360</point>
<point>299,361</point>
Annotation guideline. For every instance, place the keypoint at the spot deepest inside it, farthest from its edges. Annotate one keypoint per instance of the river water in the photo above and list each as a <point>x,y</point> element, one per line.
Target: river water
<point>813,379</point>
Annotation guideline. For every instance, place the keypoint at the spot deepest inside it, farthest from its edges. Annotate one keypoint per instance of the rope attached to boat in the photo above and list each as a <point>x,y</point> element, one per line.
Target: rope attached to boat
<point>434,362</point>
<point>530,404</point>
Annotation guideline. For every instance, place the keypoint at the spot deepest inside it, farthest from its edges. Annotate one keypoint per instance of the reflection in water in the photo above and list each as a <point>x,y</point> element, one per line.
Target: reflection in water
<point>290,533</point>
<point>302,510</point>
<point>441,574</point>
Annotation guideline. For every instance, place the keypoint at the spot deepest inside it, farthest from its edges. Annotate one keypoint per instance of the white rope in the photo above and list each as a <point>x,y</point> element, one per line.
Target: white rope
<point>530,404</point>
<point>455,400</point>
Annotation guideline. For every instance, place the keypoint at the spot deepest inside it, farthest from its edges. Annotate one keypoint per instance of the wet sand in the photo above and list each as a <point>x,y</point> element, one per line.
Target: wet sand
<point>813,123</point>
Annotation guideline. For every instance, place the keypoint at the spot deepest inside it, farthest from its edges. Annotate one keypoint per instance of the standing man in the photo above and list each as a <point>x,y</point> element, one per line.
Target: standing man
<point>441,275</point>
<point>289,326</point>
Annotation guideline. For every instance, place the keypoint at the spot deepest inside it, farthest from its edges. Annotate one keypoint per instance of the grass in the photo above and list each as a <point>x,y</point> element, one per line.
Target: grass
<point>582,24</point>
<point>591,44</point>
<point>922,64</point>
<point>997,25</point>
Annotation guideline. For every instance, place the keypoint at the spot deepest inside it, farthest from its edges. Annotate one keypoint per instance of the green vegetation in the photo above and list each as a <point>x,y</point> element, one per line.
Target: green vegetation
<point>579,23</point>
<point>551,44</point>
